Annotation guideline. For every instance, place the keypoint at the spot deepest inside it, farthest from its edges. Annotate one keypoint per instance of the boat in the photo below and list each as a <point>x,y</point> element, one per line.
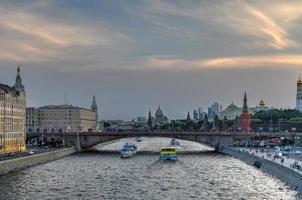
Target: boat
<point>138,139</point>
<point>174,142</point>
<point>168,153</point>
<point>128,150</point>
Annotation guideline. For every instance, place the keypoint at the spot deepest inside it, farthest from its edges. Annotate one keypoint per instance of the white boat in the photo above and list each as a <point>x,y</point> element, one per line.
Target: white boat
<point>128,150</point>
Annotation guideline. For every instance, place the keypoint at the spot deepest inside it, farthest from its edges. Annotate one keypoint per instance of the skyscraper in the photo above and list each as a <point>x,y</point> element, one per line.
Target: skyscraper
<point>195,115</point>
<point>299,95</point>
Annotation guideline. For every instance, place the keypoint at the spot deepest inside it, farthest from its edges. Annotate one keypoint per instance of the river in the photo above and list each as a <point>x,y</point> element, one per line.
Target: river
<point>107,176</point>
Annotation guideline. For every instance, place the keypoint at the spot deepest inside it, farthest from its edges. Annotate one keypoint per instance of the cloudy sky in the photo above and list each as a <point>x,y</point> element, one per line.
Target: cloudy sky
<point>137,54</point>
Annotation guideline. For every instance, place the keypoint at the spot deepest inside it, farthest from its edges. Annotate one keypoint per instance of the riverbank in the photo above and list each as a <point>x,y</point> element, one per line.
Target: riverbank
<point>284,173</point>
<point>16,164</point>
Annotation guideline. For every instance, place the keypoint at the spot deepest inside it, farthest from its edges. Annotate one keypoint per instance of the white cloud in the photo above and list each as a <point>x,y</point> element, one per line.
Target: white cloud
<point>269,22</point>
<point>289,62</point>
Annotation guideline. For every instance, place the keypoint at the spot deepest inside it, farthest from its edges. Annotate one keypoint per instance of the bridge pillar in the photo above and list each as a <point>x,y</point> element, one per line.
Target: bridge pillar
<point>78,146</point>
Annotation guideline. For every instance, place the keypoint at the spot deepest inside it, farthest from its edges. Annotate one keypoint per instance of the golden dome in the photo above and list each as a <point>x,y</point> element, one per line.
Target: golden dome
<point>299,82</point>
<point>262,102</point>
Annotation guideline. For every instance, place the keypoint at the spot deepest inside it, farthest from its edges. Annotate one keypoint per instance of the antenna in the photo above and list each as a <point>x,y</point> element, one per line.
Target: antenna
<point>65,99</point>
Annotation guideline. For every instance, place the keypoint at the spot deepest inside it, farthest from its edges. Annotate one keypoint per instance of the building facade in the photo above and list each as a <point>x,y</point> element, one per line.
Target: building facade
<point>261,106</point>
<point>12,117</point>
<point>299,95</point>
<point>231,112</point>
<point>32,119</point>
<point>214,110</point>
<point>62,118</point>
<point>160,118</point>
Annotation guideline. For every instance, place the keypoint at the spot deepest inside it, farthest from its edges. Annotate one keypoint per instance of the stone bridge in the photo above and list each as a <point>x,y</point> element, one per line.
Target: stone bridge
<point>84,141</point>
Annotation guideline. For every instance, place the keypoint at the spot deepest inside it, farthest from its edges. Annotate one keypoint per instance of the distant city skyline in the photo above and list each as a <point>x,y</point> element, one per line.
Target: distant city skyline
<point>138,55</point>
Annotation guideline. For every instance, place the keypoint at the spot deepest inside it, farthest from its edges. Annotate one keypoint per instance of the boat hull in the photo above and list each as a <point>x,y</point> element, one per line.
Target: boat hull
<point>128,154</point>
<point>168,157</point>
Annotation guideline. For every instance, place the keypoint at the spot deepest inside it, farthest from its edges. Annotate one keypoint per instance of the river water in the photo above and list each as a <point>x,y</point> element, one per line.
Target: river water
<point>107,176</point>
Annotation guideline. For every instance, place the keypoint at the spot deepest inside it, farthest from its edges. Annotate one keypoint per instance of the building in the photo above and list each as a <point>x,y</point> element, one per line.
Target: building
<point>261,106</point>
<point>150,121</point>
<point>160,118</point>
<point>61,118</point>
<point>94,108</point>
<point>245,117</point>
<point>215,109</point>
<point>201,114</point>
<point>12,117</point>
<point>299,95</point>
<point>32,119</point>
<point>142,121</point>
<point>231,112</point>
<point>195,115</point>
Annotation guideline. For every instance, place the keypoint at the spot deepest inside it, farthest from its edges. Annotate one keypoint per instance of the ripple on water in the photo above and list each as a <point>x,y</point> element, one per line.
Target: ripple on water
<point>98,176</point>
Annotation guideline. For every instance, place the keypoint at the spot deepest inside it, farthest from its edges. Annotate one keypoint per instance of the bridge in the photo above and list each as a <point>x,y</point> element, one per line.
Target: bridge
<point>217,140</point>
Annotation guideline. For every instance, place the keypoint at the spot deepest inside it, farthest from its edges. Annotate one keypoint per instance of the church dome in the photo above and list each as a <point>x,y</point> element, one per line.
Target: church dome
<point>262,103</point>
<point>232,106</point>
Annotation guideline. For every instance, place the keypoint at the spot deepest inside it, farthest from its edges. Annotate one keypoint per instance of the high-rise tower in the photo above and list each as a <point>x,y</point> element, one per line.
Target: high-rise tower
<point>299,95</point>
<point>245,117</point>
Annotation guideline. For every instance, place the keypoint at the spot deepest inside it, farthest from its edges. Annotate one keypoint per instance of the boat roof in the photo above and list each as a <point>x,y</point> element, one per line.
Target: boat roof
<point>168,148</point>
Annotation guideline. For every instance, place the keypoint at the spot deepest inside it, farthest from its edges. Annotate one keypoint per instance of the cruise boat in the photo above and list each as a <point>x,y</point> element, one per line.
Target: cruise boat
<point>168,153</point>
<point>128,150</point>
<point>174,142</point>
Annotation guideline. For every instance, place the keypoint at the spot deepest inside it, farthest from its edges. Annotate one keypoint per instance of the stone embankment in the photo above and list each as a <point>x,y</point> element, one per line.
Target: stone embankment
<point>287,175</point>
<point>16,164</point>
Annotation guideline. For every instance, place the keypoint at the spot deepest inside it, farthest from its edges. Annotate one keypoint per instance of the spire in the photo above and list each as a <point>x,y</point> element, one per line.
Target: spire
<point>18,83</point>
<point>149,120</point>
<point>188,117</point>
<point>94,107</point>
<point>245,107</point>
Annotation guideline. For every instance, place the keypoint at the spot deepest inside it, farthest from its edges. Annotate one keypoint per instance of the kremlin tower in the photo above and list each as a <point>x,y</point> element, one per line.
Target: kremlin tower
<point>245,117</point>
<point>149,123</point>
<point>299,95</point>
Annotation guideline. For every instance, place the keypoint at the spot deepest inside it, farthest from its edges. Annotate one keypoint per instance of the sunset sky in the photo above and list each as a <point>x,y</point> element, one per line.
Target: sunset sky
<point>135,55</point>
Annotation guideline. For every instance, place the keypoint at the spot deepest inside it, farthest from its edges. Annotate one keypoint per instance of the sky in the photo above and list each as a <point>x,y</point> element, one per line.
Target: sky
<point>135,55</point>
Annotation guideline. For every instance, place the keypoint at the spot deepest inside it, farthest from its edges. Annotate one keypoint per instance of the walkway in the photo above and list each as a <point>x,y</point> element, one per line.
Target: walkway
<point>288,162</point>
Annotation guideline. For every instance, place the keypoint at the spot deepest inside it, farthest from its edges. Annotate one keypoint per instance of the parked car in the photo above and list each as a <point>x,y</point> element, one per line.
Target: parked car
<point>287,148</point>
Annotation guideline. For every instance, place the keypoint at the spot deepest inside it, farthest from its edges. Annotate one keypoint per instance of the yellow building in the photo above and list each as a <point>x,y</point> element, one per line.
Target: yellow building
<point>12,117</point>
